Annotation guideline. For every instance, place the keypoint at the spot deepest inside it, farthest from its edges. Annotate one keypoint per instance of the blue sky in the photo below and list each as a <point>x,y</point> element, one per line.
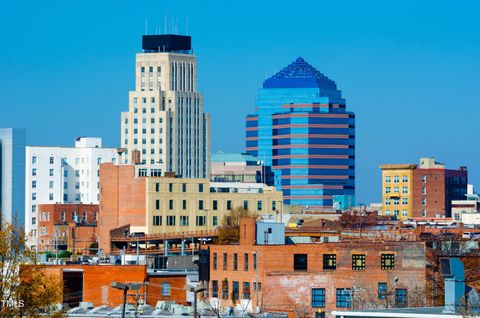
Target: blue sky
<point>410,70</point>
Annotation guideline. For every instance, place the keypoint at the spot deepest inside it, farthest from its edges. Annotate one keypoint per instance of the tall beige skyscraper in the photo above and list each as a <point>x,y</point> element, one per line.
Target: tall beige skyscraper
<point>165,125</point>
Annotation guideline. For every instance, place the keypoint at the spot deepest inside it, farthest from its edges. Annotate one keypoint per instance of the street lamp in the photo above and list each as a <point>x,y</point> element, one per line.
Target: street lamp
<point>196,290</point>
<point>125,288</point>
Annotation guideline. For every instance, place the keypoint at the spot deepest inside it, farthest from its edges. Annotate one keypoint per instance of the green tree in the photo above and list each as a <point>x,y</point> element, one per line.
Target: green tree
<point>229,231</point>
<point>25,289</point>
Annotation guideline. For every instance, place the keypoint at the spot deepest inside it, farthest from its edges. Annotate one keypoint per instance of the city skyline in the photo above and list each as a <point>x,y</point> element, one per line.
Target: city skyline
<point>402,66</point>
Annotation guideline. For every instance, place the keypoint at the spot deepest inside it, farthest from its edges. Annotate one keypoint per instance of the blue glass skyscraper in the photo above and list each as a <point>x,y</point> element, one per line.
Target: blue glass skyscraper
<point>302,130</point>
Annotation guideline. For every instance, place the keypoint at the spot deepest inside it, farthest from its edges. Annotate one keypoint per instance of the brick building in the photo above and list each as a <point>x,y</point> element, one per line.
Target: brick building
<point>423,190</point>
<point>320,277</point>
<point>148,203</point>
<point>70,227</point>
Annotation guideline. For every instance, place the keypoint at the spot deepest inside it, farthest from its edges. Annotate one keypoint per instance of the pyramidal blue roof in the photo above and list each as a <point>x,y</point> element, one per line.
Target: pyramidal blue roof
<point>299,74</point>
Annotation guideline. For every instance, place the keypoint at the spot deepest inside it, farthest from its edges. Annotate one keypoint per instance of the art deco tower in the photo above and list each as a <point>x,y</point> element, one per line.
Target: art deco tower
<point>165,124</point>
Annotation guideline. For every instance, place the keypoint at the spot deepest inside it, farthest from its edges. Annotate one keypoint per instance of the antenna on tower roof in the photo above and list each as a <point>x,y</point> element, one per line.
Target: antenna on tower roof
<point>186,25</point>
<point>146,26</point>
<point>166,25</point>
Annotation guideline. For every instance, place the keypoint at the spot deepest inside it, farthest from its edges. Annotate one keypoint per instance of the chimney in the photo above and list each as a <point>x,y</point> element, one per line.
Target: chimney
<point>247,231</point>
<point>454,277</point>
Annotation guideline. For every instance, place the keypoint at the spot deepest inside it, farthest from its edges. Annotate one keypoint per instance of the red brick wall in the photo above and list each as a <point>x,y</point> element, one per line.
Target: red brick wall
<point>97,280</point>
<point>178,292</point>
<point>84,233</point>
<point>122,200</point>
<point>435,192</point>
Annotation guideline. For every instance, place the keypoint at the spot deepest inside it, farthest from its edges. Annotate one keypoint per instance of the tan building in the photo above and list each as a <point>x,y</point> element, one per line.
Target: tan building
<point>425,190</point>
<point>153,205</point>
<point>165,124</point>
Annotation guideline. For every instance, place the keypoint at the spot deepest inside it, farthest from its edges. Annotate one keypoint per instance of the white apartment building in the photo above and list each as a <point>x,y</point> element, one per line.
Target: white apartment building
<point>165,124</point>
<point>63,175</point>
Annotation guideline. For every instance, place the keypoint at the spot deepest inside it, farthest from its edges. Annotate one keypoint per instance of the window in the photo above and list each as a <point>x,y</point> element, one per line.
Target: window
<point>63,215</point>
<point>235,291</point>
<point>245,262</point>
<point>215,220</point>
<point>254,261</point>
<point>157,220</point>
<point>358,262</point>
<point>424,179</point>
<point>300,262</point>
<point>65,185</point>
<point>424,190</point>
<point>183,220</point>
<point>329,261</point>
<point>170,204</point>
<point>388,261</point>
<point>400,298</point>
<point>224,261</point>
<point>184,204</point>
<point>43,230</point>
<point>50,184</point>
<point>404,201</point>
<point>235,261</point>
<point>225,289</point>
<point>388,190</point>
<point>382,291</point>
<point>229,205</point>
<point>34,159</point>
<point>157,187</point>
<point>404,213</point>
<point>34,195</point>
<point>170,187</point>
<point>50,172</point>
<point>200,187</point>
<point>245,204</point>
<point>214,205</point>
<point>405,190</point>
<point>344,298</point>
<point>387,201</point>
<point>34,172</point>
<point>65,173</point>
<point>171,220</point>
<point>200,220</point>
<point>395,189</point>
<point>274,205</point>
<point>200,204</point>
<point>424,201</point>
<point>184,187</point>
<point>318,297</point>
<point>396,201</point>
<point>395,179</point>
<point>34,184</point>
<point>387,179</point>
<point>165,289</point>
<point>157,204</point>
<point>214,288</point>
<point>404,178</point>
<point>424,213</point>
<point>246,290</point>
<point>259,205</point>
<point>214,261</point>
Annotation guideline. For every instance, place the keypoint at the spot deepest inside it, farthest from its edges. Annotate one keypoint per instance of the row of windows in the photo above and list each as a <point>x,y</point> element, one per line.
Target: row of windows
<point>214,204</point>
<point>51,172</point>
<point>396,201</point>
<point>51,160</point>
<point>174,186</point>
<point>396,190</point>
<point>396,179</point>
<point>396,212</point>
<point>344,296</point>
<point>235,261</point>
<point>300,262</point>
<point>235,294</point>
<point>171,220</point>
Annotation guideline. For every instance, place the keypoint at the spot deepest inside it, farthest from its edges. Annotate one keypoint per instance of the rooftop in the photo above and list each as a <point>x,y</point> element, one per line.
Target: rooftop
<point>232,157</point>
<point>299,74</point>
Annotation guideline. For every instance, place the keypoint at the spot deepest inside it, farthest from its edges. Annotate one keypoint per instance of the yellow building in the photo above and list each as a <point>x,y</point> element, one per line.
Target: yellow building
<point>180,205</point>
<point>397,191</point>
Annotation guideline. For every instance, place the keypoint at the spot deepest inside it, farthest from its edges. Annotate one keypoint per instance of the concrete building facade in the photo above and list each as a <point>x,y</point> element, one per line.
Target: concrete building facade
<point>236,167</point>
<point>302,130</point>
<point>423,190</point>
<point>12,176</point>
<point>60,175</point>
<point>165,125</point>
<point>70,227</point>
<point>155,205</point>
<point>320,277</point>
